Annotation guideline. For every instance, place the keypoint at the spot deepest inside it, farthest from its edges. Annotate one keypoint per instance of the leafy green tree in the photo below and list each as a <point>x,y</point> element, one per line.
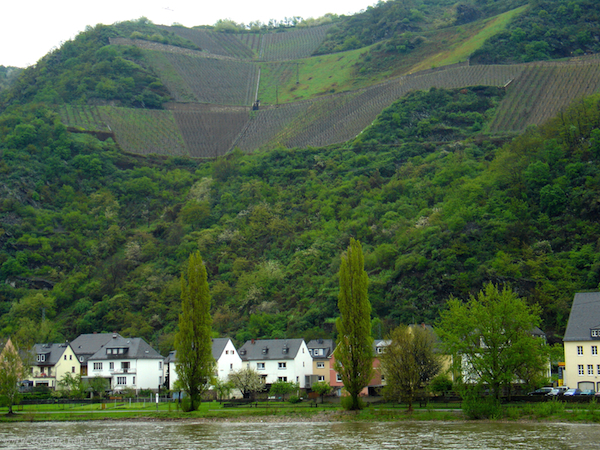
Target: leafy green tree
<point>283,388</point>
<point>490,337</point>
<point>248,381</point>
<point>12,371</point>
<point>354,350</point>
<point>72,385</point>
<point>409,362</point>
<point>322,388</point>
<point>195,363</point>
<point>222,388</point>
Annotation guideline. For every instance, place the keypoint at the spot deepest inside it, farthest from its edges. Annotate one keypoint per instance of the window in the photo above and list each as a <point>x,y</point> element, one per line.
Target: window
<point>310,351</point>
<point>598,369</point>
<point>160,365</point>
<point>595,333</point>
<point>98,366</point>
<point>72,369</point>
<point>109,351</point>
<point>133,381</point>
<point>160,379</point>
<point>338,377</point>
<point>233,352</point>
<point>230,366</point>
<point>111,365</point>
<point>81,359</point>
<point>580,350</point>
<point>65,358</point>
<point>594,349</point>
<point>121,351</point>
<point>320,365</point>
<point>41,358</point>
<point>382,377</point>
<point>125,366</point>
<point>281,378</point>
<point>321,378</point>
<point>121,381</point>
<point>227,352</point>
<point>282,365</point>
<point>70,357</point>
<point>260,366</point>
<point>590,369</point>
<point>580,369</point>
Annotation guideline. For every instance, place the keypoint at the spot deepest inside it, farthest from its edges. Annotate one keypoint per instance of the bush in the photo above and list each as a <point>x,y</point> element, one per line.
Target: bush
<point>294,399</point>
<point>476,407</point>
<point>346,402</point>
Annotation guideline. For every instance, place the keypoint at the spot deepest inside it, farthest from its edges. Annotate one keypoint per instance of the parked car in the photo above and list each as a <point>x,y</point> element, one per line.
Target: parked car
<point>588,392</point>
<point>557,391</point>
<point>571,392</point>
<point>541,391</point>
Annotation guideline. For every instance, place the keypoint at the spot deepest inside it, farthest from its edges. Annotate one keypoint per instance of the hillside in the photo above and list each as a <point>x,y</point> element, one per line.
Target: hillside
<point>134,145</point>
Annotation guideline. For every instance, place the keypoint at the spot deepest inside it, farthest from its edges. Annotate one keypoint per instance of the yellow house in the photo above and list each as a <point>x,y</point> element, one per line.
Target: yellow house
<point>321,351</point>
<point>581,342</point>
<point>51,362</point>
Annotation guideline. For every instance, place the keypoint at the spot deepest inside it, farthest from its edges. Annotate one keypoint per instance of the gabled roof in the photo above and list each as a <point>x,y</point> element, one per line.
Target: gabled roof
<point>52,353</point>
<point>218,347</point>
<point>128,348</point>
<point>88,344</point>
<point>585,316</point>
<point>270,349</point>
<point>328,345</point>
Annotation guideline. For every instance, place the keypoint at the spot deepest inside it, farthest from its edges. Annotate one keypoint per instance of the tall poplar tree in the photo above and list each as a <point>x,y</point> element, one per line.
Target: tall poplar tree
<point>354,350</point>
<point>195,363</point>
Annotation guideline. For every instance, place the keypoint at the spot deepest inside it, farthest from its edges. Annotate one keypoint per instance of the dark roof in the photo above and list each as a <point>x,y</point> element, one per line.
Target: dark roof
<point>585,315</point>
<point>270,349</point>
<point>88,344</point>
<point>328,345</point>
<point>132,348</point>
<point>218,347</point>
<point>52,352</point>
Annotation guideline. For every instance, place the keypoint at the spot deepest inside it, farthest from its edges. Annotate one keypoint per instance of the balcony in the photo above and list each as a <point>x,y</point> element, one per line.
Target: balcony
<point>127,370</point>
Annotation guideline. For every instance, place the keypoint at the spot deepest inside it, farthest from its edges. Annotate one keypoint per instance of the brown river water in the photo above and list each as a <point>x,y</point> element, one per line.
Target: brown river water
<point>296,436</point>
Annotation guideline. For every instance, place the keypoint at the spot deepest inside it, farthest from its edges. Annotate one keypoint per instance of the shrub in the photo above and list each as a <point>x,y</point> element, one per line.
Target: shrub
<point>294,399</point>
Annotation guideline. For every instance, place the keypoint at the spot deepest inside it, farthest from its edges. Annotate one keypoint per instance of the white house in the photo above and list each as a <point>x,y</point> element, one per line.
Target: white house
<point>127,362</point>
<point>581,342</point>
<point>279,360</point>
<point>225,355</point>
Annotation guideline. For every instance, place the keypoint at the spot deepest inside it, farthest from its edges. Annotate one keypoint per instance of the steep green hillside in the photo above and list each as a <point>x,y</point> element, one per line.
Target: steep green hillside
<point>97,239</point>
<point>102,199</point>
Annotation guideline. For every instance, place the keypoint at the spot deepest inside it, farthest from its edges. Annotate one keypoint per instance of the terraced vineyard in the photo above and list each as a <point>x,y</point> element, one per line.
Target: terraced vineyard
<point>535,92</point>
<point>145,131</point>
<point>209,131</point>
<point>295,44</point>
<point>214,81</point>
<point>87,118</point>
<point>541,91</point>
<point>223,44</point>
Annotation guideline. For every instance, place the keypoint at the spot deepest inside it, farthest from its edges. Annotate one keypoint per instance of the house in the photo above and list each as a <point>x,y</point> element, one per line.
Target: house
<point>127,362</point>
<point>225,354</point>
<point>581,342</point>
<point>50,363</point>
<point>86,345</point>
<point>376,382</point>
<point>279,360</point>
<point>321,351</point>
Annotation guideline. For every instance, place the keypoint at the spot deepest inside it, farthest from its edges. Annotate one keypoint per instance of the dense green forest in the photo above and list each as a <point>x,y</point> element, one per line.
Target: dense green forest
<point>94,239</point>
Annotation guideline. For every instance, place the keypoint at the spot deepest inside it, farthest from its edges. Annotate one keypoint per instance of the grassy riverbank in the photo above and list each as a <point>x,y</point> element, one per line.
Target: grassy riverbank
<point>303,412</point>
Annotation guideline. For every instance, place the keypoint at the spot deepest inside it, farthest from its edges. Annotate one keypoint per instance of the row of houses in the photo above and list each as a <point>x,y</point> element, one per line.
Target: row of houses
<point>133,363</point>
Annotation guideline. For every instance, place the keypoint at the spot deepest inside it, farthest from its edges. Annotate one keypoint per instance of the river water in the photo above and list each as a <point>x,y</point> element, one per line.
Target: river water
<point>296,436</point>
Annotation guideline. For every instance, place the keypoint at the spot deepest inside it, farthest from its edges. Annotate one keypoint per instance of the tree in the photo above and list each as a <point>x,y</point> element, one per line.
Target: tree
<point>322,388</point>
<point>12,372</point>
<point>222,388</point>
<point>72,385</point>
<point>490,337</point>
<point>282,388</point>
<point>354,350</point>
<point>248,381</point>
<point>195,363</point>
<point>409,362</point>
